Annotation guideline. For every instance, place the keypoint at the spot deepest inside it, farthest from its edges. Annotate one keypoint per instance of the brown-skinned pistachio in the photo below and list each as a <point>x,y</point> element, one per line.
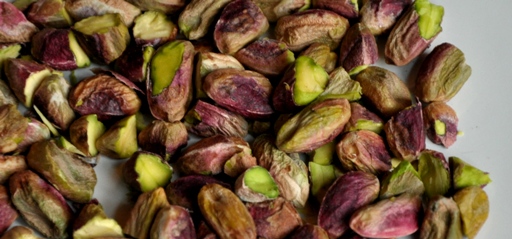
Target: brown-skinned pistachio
<point>40,204</point>
<point>144,212</point>
<point>120,140</point>
<point>434,172</point>
<point>309,231</point>
<point>183,191</point>
<point>442,74</point>
<point>243,92</point>
<point>209,156</point>
<point>15,26</point>
<point>266,56</point>
<point>274,219</point>
<point>388,218</point>
<point>240,22</point>
<point>413,32</point>
<point>340,85</point>
<point>146,171</point>
<point>165,6</point>
<point>314,126</point>
<point>358,49</point>
<point>84,132</point>
<point>473,204</point>
<point>36,131</point>
<point>256,185</point>
<point>153,28</point>
<point>441,220</point>
<point>466,175</point>
<point>198,16</point>
<point>49,13</point>
<point>363,150</point>
<point>403,179</point>
<point>291,175</point>
<point>225,213</point>
<point>107,40</point>
<point>163,138</point>
<point>24,77</point>
<point>274,9</point>
<point>10,164</point>
<point>384,90</point>
<point>81,9</point>
<point>18,232</point>
<point>74,178</point>
<point>6,95</point>
<point>12,128</point>
<point>51,98</point>
<point>346,8</point>
<point>105,96</point>
<point>322,55</point>
<point>302,29</point>
<point>7,212</point>
<point>208,62</point>
<point>92,222</point>
<point>206,120</point>
<point>134,61</point>
<point>173,222</point>
<point>348,193</point>
<point>405,133</point>
<point>363,119</point>
<point>301,84</point>
<point>169,83</point>
<point>380,15</point>
<point>441,123</point>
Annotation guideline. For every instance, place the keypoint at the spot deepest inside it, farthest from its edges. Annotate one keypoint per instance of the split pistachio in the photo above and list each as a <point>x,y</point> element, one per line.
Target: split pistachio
<point>441,123</point>
<point>466,175</point>
<point>49,13</point>
<point>153,28</point>
<point>324,154</point>
<point>15,27</point>
<point>340,85</point>
<point>120,140</point>
<point>256,185</point>
<point>405,133</point>
<point>274,219</point>
<point>363,119</point>
<point>403,179</point>
<point>198,16</point>
<point>51,98</point>
<point>473,204</point>
<point>358,49</point>
<point>92,222</point>
<point>381,15</point>
<point>322,55</point>
<point>84,132</point>
<point>434,173</point>
<point>8,51</point>
<point>82,9</point>
<point>134,61</point>
<point>442,220</point>
<point>266,56</point>
<point>145,171</point>
<point>208,62</point>
<point>163,138</point>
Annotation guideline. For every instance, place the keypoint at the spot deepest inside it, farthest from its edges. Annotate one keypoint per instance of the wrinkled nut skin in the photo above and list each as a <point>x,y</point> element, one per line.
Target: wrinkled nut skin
<point>51,98</point>
<point>405,133</point>
<point>388,218</point>
<point>19,232</point>
<point>40,204</point>
<point>183,191</point>
<point>225,213</point>
<point>340,85</point>
<point>358,48</point>
<point>314,126</point>
<point>12,128</point>
<point>172,103</point>
<point>363,150</point>
<point>404,42</point>
<point>173,222</point>
<point>274,219</point>
<point>240,22</point>
<point>74,178</point>
<point>302,29</point>
<point>131,64</point>
<point>441,220</point>
<point>435,173</point>
<point>208,62</point>
<point>380,15</point>
<point>81,9</point>
<point>440,111</point>
<point>7,212</point>
<point>243,92</point>
<point>283,94</point>
<point>10,164</point>
<point>6,95</point>
<point>165,6</point>
<point>104,96</point>
<point>49,13</point>
<point>442,74</point>
<point>18,72</point>
<point>266,56</point>
<point>206,120</point>
<point>360,113</point>
<point>163,138</point>
<point>209,155</point>
<point>322,55</point>
<point>309,231</point>
<point>473,204</point>
<point>36,131</point>
<point>348,193</point>
<point>403,179</point>
<point>195,20</point>
<point>384,90</point>
<point>345,8</point>
<point>15,27</point>
<point>274,9</point>
<point>51,46</point>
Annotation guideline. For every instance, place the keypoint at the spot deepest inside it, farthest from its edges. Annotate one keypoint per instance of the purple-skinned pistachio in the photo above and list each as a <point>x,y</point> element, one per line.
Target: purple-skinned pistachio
<point>240,22</point>
<point>363,119</point>
<point>119,77</point>
<point>15,27</point>
<point>8,213</point>
<point>266,56</point>
<point>274,9</point>
<point>163,138</point>
<point>405,133</point>
<point>81,9</point>
<point>173,222</point>
<point>183,191</point>
<point>274,219</point>
<point>441,220</point>
<point>51,98</point>
<point>346,8</point>
<point>358,49</point>
<point>243,92</point>
<point>322,55</point>
<point>49,13</point>
<point>208,62</point>
<point>195,20</point>
<point>441,123</point>
<point>380,15</point>
<point>206,120</point>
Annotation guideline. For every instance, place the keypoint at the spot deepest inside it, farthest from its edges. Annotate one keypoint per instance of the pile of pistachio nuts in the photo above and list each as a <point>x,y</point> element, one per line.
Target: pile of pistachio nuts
<point>291,113</point>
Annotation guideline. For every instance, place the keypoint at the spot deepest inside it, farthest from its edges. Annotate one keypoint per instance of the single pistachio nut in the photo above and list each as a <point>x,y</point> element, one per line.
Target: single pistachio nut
<point>92,222</point>
<point>413,32</point>
<point>434,172</point>
<point>274,9</point>
<point>466,175</point>
<point>12,128</point>
<point>314,126</point>
<point>19,232</point>
<point>441,123</point>
<point>309,231</point>
<point>163,138</point>
<point>120,140</point>
<point>6,95</point>
<point>442,74</point>
<point>153,28</point>
<point>15,26</point>
<point>164,6</point>
<point>40,204</point>
<point>348,193</point>
<point>49,13</point>
<point>183,191</point>
<point>441,220</point>
<point>10,164</point>
<point>256,185</point>
<point>36,131</point>
<point>388,218</point>
<point>133,63</point>
<point>173,222</point>
<point>266,56</point>
<point>197,17</point>
<point>240,22</point>
<point>146,171</point>
<point>302,29</point>
<point>206,120</point>
<point>322,55</point>
<point>403,179</point>
<point>84,132</point>
<point>322,177</point>
<point>381,15</point>
<point>225,213</point>
<point>405,133</point>
<point>24,76</point>
<point>82,9</point>
<point>208,62</point>
<point>7,211</point>
<point>169,83</point>
<point>274,219</point>
<point>340,85</point>
<point>363,119</point>
<point>358,49</point>
<point>346,8</point>
<point>51,98</point>
<point>473,204</point>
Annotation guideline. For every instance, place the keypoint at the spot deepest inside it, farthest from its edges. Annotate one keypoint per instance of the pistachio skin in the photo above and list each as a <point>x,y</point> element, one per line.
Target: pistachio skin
<point>437,113</point>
